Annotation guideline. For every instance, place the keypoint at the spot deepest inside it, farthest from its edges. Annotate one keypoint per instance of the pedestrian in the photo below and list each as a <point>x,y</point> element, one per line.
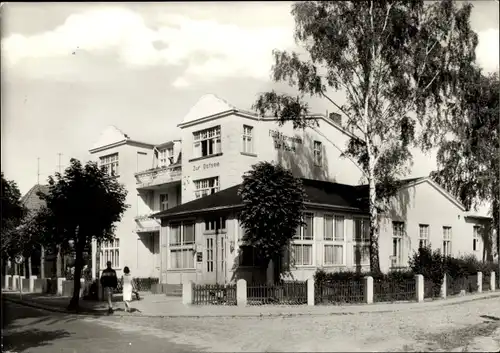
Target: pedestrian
<point>109,282</point>
<point>128,288</point>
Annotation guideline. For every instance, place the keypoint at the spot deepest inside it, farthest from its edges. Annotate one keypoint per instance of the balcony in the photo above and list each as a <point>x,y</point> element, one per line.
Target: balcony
<point>153,178</point>
<point>145,223</point>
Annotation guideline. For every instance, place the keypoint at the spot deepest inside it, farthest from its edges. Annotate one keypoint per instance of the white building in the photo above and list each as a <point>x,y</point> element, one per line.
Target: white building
<point>218,144</point>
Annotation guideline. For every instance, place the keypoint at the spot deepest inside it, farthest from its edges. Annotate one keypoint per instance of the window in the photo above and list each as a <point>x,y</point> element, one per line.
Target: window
<point>334,240</point>
<point>109,164</point>
<point>247,139</point>
<point>217,224</point>
<point>318,153</point>
<point>207,142</point>
<point>163,202</point>
<point>166,156</point>
<point>181,241</point>
<point>423,235</point>
<point>303,241</point>
<point>204,187</point>
<point>398,230</point>
<point>475,240</point>
<point>361,236</point>
<point>110,251</point>
<point>447,241</point>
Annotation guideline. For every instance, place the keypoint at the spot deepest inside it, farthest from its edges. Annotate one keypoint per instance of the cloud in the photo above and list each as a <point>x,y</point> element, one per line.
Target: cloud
<point>487,49</point>
<point>202,49</point>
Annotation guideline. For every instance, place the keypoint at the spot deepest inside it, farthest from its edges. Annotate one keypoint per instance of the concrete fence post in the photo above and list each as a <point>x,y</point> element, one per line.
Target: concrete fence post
<point>32,284</point>
<point>419,287</point>
<point>310,292</point>
<point>443,288</point>
<point>187,293</point>
<point>493,281</point>
<point>368,289</point>
<point>241,292</point>
<point>15,280</point>
<point>60,281</point>
<point>479,282</point>
<point>7,284</point>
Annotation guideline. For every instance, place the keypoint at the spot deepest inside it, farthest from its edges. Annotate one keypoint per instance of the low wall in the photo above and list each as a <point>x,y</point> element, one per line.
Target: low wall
<point>68,286</point>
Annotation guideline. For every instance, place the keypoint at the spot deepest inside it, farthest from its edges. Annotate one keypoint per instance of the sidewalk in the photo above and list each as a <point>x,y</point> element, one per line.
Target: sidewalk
<point>159,305</point>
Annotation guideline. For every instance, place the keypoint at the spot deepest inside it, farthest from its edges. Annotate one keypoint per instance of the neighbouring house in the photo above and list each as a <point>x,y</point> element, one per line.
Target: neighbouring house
<point>217,144</point>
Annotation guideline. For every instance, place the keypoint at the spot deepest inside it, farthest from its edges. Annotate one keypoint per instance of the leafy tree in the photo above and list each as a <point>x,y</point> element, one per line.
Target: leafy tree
<point>469,159</point>
<point>400,65</point>
<point>12,212</point>
<point>273,207</point>
<point>83,204</point>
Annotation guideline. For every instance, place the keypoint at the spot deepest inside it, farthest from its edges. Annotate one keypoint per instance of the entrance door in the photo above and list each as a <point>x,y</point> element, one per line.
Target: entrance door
<point>210,259</point>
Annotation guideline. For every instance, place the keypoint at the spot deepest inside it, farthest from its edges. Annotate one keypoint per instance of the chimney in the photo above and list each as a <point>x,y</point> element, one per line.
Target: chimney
<point>336,118</point>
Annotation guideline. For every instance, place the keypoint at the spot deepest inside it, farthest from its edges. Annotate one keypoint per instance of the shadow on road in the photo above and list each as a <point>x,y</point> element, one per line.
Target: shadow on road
<point>22,341</point>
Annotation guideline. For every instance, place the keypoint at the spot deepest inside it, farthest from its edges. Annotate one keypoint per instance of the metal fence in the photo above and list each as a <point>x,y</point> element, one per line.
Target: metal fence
<point>455,286</point>
<point>285,293</point>
<point>486,281</point>
<point>431,289</point>
<point>394,290</point>
<point>214,294</point>
<point>339,292</point>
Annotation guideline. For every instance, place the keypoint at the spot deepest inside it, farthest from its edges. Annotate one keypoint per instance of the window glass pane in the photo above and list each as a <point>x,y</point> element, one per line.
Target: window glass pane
<point>297,254</point>
<point>338,254</point>
<point>328,234</point>
<point>307,253</point>
<point>189,233</point>
<point>328,254</point>
<point>357,229</point>
<point>308,231</point>
<point>175,234</point>
<point>339,228</point>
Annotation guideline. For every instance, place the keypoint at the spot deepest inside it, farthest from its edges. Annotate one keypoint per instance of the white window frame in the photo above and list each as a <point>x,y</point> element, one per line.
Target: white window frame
<point>337,240</point>
<point>318,153</point>
<point>300,239</point>
<point>476,230</point>
<point>424,232</point>
<point>205,187</point>
<point>182,246</point>
<point>211,137</point>
<point>165,156</point>
<point>110,251</point>
<point>247,139</point>
<point>163,202</point>
<point>398,232</point>
<point>447,238</point>
<point>361,242</point>
<point>110,164</point>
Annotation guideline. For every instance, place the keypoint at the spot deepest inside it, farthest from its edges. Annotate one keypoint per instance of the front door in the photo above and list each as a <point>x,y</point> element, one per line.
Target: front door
<point>210,262</point>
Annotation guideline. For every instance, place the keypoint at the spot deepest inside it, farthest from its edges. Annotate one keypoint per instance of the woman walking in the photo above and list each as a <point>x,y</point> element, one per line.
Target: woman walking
<point>128,288</point>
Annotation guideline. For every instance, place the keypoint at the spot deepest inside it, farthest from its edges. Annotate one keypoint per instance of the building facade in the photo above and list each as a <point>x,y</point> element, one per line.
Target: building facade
<point>218,144</point>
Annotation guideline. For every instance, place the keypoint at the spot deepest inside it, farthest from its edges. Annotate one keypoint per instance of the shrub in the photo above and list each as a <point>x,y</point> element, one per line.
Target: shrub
<point>429,264</point>
<point>321,276</point>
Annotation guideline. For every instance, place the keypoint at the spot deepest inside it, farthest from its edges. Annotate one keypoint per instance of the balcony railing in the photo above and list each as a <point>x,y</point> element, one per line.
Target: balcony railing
<point>158,176</point>
<point>145,223</point>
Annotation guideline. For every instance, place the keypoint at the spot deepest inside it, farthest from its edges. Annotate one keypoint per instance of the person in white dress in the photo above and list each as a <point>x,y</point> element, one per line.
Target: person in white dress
<point>128,288</point>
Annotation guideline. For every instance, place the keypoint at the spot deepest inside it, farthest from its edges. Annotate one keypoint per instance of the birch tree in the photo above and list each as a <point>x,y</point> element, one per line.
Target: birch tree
<point>399,64</point>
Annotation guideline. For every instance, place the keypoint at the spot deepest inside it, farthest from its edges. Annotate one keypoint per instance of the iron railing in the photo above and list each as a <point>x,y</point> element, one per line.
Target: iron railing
<point>394,290</point>
<point>455,286</point>
<point>285,293</point>
<point>214,294</point>
<point>339,292</point>
<point>431,289</point>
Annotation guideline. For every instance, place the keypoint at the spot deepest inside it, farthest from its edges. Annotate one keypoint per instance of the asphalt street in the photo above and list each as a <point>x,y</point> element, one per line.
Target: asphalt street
<point>26,329</point>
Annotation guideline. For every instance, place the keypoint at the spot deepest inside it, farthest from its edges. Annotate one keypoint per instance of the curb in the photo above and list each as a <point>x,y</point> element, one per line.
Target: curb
<point>86,313</point>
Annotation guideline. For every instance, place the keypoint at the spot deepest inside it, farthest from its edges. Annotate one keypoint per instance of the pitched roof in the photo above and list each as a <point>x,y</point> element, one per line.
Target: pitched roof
<point>31,200</point>
<point>319,194</point>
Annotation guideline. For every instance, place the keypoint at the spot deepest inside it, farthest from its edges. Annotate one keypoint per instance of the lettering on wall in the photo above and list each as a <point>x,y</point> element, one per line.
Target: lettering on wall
<point>206,166</point>
<point>284,142</point>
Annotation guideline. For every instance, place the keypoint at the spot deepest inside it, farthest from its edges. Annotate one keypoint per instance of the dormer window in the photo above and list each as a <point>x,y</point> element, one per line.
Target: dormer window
<point>166,156</point>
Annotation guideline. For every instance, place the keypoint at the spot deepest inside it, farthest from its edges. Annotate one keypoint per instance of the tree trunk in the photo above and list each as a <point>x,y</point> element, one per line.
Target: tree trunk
<point>75,300</point>
<point>372,207</point>
<point>42,262</point>
<point>58,263</point>
<point>29,267</point>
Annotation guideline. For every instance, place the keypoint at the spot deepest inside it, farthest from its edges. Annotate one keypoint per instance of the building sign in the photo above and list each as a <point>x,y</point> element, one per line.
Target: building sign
<point>206,166</point>
<point>199,257</point>
<point>286,143</point>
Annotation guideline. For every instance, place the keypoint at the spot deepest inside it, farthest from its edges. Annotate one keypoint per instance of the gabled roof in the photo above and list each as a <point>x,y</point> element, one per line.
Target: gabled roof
<point>31,200</point>
<point>207,105</point>
<point>319,194</point>
<point>112,136</point>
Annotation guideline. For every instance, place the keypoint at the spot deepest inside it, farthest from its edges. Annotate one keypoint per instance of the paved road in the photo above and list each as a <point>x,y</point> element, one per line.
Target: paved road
<point>27,329</point>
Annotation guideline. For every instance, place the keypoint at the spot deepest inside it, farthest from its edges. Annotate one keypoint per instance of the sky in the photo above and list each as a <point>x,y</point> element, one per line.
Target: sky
<point>69,70</point>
